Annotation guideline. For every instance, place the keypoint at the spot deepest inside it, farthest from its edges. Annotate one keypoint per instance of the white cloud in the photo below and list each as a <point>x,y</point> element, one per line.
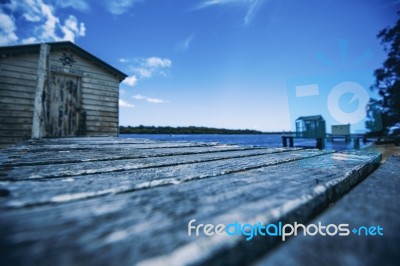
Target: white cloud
<point>71,29</point>
<point>7,29</point>
<point>80,5</point>
<point>252,10</point>
<point>29,40</point>
<point>118,7</point>
<point>125,104</point>
<point>144,72</point>
<point>143,68</point>
<point>156,62</point>
<point>184,45</point>
<point>251,7</point>
<point>208,3</point>
<point>148,99</point>
<point>138,97</point>
<point>155,100</point>
<point>130,81</point>
<point>43,24</point>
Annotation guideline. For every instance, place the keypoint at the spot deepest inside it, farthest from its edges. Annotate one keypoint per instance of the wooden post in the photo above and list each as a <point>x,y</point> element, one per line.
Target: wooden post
<point>356,143</point>
<point>38,115</point>
<point>320,143</point>
<point>291,142</point>
<point>284,142</point>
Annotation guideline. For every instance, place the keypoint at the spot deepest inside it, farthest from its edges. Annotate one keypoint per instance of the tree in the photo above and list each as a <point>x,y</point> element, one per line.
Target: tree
<point>387,82</point>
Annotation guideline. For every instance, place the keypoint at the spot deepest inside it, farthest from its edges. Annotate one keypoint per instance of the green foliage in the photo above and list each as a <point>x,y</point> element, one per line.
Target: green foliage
<point>387,82</point>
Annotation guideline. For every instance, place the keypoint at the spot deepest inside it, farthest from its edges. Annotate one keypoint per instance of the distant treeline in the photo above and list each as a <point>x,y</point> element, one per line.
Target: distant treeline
<point>184,130</point>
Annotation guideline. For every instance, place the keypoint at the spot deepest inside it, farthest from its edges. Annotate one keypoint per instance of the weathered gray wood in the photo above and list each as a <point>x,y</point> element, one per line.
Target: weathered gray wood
<point>100,90</point>
<point>18,81</point>
<point>8,88</point>
<point>16,120</point>
<point>63,106</point>
<point>19,75</point>
<point>126,176</point>
<point>100,102</point>
<point>373,202</point>
<point>19,68</point>
<point>15,126</point>
<point>97,119</point>
<point>97,97</point>
<point>202,155</point>
<point>16,100</point>
<point>98,107</point>
<point>85,66</point>
<point>38,115</point>
<point>77,154</point>
<point>99,114</point>
<point>17,94</point>
<point>149,225</point>
<point>25,59</point>
<point>100,97</point>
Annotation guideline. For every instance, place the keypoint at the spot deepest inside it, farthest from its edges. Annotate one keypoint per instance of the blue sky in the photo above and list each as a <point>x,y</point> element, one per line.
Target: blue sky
<point>221,63</point>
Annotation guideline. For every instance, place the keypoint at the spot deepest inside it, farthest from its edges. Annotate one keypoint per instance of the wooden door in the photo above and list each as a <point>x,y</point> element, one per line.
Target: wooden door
<point>63,105</point>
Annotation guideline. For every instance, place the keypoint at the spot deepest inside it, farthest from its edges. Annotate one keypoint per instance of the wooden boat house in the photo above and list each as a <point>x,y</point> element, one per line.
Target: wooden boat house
<point>310,127</point>
<point>56,90</point>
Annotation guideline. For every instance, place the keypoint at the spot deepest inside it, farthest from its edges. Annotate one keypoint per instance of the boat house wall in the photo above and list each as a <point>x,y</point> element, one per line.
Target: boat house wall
<point>56,90</point>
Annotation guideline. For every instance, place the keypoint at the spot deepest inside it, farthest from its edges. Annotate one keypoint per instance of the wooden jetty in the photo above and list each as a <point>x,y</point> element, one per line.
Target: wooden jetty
<point>110,201</point>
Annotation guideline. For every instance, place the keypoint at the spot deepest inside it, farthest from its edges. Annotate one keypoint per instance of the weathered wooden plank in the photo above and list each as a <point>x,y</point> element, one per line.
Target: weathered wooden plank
<point>60,153</point>
<point>94,132</point>
<point>96,107</point>
<point>89,79</point>
<point>112,126</point>
<point>27,60</point>
<point>12,132</point>
<point>15,126</point>
<point>15,114</point>
<point>123,227</point>
<point>101,113</point>
<point>24,158</point>
<point>18,81</point>
<point>18,75</point>
<point>17,107</point>
<point>19,68</point>
<point>17,93</point>
<point>100,91</point>
<point>99,119</point>
<point>104,130</point>
<point>100,97</point>
<point>147,173</point>
<point>220,160</point>
<point>10,119</point>
<point>8,88</point>
<point>374,202</point>
<point>100,103</point>
<point>16,101</point>
<point>99,78</point>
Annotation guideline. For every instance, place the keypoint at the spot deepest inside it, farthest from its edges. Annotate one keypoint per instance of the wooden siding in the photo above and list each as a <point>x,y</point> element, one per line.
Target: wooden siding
<point>98,100</point>
<point>17,93</point>
<point>99,90</point>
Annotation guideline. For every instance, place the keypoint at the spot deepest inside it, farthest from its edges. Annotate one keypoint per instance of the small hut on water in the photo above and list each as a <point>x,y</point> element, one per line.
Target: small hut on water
<point>310,127</point>
<point>56,90</point>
